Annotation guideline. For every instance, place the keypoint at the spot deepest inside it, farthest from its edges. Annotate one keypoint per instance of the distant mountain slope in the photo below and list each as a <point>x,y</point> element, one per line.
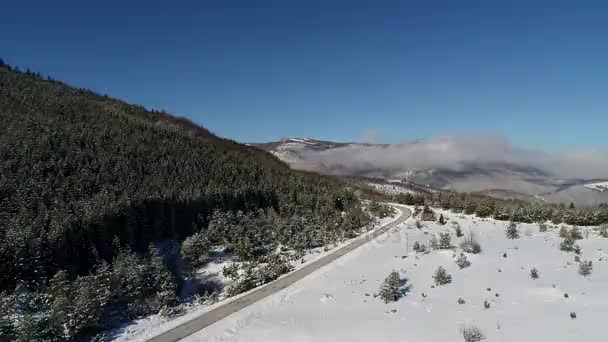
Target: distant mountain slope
<point>506,179</point>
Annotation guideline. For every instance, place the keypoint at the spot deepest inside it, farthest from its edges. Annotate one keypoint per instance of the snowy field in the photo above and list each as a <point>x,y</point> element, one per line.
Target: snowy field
<point>598,186</point>
<point>336,303</point>
<point>144,328</point>
<point>391,189</point>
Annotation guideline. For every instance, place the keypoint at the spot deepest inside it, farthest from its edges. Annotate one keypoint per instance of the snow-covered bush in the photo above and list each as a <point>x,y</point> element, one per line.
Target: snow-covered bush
<point>471,245</point>
<point>419,248</point>
<point>512,232</point>
<point>568,245</point>
<point>604,230</point>
<point>472,334</point>
<point>441,276</point>
<point>445,241</point>
<point>462,261</point>
<point>534,273</point>
<point>585,267</point>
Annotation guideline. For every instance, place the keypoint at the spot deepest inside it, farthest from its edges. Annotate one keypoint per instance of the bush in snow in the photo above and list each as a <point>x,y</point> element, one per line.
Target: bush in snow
<point>441,276</point>
<point>460,301</point>
<point>512,232</point>
<point>534,273</point>
<point>575,232</point>
<point>462,261</point>
<point>471,334</point>
<point>604,230</point>
<point>563,232</point>
<point>445,241</point>
<point>542,227</point>
<point>585,267</point>
<point>573,315</point>
<point>419,224</point>
<point>486,304</point>
<point>441,219</point>
<point>393,287</point>
<point>471,245</point>
<point>419,248</point>
<point>568,245</point>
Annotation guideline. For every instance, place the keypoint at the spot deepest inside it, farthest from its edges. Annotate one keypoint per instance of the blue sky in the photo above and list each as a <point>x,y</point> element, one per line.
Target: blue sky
<point>534,72</point>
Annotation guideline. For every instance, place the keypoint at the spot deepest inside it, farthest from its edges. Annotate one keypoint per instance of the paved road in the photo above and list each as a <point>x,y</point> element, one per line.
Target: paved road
<point>229,308</point>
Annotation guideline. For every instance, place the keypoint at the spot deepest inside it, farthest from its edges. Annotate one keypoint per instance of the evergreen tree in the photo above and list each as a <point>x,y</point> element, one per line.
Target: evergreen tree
<point>445,241</point>
<point>390,290</point>
<point>441,276</point>
<point>441,219</point>
<point>534,273</point>
<point>195,250</point>
<point>512,232</point>
<point>462,261</point>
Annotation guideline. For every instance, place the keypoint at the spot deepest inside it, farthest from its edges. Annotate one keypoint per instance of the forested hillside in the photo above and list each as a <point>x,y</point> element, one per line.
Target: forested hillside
<point>89,185</point>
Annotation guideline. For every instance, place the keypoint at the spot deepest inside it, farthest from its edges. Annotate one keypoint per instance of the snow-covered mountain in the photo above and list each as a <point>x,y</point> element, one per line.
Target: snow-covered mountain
<point>439,164</point>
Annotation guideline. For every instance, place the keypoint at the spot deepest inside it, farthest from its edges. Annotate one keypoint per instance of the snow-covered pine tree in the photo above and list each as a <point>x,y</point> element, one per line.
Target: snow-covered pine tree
<point>512,232</point>
<point>462,261</point>
<point>441,276</point>
<point>390,289</point>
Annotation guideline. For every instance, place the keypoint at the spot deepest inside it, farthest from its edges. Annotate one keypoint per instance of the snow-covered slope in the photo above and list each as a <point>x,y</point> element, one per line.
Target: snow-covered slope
<point>603,186</point>
<point>337,304</point>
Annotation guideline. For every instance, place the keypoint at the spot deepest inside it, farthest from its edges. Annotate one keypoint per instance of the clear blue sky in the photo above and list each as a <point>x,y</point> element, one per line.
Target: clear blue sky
<point>536,72</point>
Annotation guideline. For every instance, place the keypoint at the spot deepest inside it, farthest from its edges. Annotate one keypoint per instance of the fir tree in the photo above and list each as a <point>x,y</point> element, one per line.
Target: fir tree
<point>462,261</point>
<point>445,241</point>
<point>390,290</point>
<point>441,276</point>
<point>512,232</point>
<point>441,219</point>
<point>534,273</point>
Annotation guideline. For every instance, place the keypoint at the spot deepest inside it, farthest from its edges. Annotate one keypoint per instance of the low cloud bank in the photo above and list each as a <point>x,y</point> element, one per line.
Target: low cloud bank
<point>458,153</point>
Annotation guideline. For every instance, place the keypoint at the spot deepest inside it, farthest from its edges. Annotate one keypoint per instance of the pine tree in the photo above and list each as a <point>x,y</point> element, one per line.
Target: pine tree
<point>441,276</point>
<point>534,273</point>
<point>441,219</point>
<point>462,261</point>
<point>512,232</point>
<point>418,247</point>
<point>195,250</point>
<point>390,289</point>
<point>445,241</point>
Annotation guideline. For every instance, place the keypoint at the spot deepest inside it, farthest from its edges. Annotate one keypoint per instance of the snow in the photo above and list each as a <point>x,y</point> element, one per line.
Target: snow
<point>331,304</point>
<point>603,186</point>
<point>391,189</point>
<point>145,328</point>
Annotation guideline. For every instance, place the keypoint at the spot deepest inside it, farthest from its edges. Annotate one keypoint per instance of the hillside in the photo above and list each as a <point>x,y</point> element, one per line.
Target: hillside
<point>91,187</point>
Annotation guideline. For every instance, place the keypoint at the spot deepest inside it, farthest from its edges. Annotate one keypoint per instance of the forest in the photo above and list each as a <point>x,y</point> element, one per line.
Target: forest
<point>96,193</point>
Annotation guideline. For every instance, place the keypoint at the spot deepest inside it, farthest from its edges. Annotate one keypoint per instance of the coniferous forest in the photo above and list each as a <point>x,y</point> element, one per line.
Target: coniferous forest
<point>96,193</point>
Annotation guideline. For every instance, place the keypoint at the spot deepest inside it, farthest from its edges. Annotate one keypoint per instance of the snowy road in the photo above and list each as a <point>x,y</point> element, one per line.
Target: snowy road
<point>223,311</point>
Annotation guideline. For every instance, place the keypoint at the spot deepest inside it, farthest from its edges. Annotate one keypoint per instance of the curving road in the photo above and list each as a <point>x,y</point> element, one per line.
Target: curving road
<point>229,308</point>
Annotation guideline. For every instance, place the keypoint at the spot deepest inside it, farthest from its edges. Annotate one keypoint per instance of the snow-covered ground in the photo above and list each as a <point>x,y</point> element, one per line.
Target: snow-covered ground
<point>144,328</point>
<point>391,189</point>
<point>336,303</point>
<point>603,186</point>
